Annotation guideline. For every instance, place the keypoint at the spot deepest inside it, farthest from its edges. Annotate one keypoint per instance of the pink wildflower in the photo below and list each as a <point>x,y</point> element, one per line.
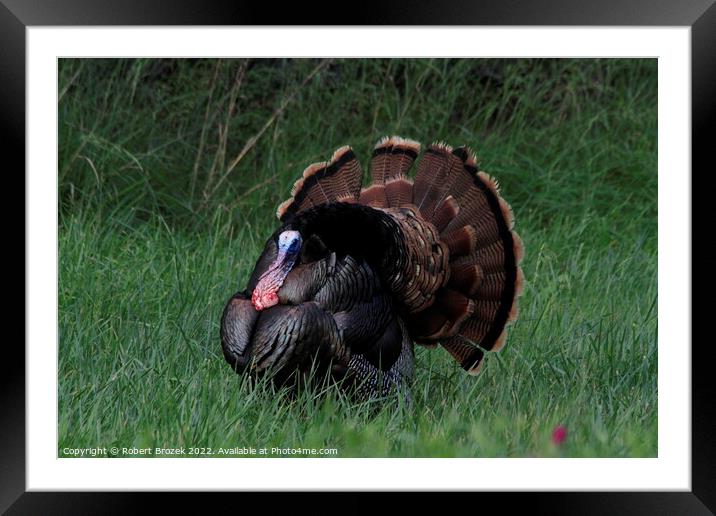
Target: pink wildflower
<point>559,434</point>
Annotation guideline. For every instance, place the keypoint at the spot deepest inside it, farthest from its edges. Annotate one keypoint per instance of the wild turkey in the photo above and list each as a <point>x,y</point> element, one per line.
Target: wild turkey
<point>353,277</point>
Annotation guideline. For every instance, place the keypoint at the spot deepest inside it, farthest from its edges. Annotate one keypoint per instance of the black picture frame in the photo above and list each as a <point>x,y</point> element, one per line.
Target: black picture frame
<point>699,15</point>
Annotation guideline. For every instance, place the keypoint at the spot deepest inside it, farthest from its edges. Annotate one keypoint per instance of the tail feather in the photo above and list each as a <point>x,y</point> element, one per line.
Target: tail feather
<point>461,241</point>
<point>338,179</point>
<point>476,329</point>
<point>519,250</point>
<point>374,196</point>
<point>456,306</point>
<point>500,342</point>
<point>469,356</point>
<point>491,286</point>
<point>492,258</point>
<point>392,158</point>
<point>474,190</point>
<point>445,212</point>
<point>399,192</point>
<point>467,278</point>
<point>432,180</point>
<point>486,309</point>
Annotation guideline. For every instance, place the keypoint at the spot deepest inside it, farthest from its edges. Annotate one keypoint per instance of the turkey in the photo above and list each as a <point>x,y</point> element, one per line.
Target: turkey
<point>353,278</point>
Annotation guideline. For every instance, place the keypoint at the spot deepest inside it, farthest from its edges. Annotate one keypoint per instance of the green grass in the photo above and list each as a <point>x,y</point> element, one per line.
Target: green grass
<point>151,248</point>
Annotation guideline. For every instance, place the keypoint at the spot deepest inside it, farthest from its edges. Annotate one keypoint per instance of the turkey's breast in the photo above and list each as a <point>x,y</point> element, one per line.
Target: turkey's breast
<point>330,310</point>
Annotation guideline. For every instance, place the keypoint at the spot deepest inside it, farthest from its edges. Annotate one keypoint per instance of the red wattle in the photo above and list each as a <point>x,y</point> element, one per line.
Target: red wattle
<point>265,294</point>
<point>263,299</point>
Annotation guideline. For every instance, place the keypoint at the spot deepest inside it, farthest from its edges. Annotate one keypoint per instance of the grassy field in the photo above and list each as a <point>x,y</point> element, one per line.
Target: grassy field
<point>170,172</point>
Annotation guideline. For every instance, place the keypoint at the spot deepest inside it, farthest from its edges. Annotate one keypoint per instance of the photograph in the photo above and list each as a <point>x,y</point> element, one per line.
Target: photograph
<point>357,257</point>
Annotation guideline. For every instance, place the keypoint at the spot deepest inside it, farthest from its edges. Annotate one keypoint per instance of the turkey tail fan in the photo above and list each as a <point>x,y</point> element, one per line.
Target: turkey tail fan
<point>338,180</point>
<point>485,280</point>
<point>445,244</point>
<point>392,158</point>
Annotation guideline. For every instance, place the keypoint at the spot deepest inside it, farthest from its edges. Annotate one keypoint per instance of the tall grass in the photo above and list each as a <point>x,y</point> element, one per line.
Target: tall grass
<point>170,173</point>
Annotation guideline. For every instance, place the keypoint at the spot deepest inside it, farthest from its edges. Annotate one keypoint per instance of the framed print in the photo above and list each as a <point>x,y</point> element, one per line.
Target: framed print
<point>506,193</point>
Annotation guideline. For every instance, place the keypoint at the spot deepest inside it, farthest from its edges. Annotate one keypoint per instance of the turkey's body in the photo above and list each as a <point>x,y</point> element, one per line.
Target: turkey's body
<point>354,277</point>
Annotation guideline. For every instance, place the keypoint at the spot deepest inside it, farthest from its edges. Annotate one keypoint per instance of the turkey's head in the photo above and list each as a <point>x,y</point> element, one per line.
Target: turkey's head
<point>265,294</point>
